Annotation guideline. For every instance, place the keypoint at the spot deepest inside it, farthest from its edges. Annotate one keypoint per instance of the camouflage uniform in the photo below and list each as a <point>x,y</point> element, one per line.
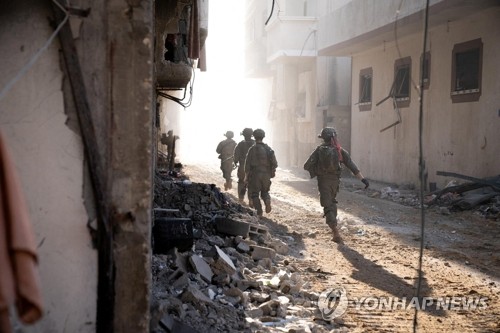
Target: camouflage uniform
<point>329,177</point>
<point>260,167</point>
<point>240,154</point>
<point>225,149</point>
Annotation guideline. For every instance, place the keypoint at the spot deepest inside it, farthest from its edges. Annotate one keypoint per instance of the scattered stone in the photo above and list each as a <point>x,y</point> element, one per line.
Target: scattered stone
<point>222,279</point>
<point>196,298</point>
<point>181,282</point>
<point>243,247</point>
<point>260,252</point>
<point>279,246</point>
<point>254,313</point>
<point>216,240</point>
<point>223,263</point>
<point>201,267</point>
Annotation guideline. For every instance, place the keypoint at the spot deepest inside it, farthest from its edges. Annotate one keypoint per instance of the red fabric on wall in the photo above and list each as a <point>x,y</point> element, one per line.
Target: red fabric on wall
<point>19,280</point>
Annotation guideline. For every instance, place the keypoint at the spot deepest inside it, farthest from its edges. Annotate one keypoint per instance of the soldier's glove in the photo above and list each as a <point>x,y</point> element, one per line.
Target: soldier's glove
<point>365,181</point>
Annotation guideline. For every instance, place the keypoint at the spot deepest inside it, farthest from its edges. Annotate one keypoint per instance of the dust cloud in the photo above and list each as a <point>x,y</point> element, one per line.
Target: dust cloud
<point>223,99</point>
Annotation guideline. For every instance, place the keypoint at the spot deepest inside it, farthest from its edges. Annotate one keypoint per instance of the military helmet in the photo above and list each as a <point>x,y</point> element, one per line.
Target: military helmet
<point>327,133</point>
<point>247,132</point>
<point>229,134</point>
<point>259,134</point>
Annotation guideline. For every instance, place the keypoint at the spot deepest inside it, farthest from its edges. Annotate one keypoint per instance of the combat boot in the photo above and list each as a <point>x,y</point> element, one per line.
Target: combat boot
<point>336,234</point>
<point>267,202</point>
<point>331,221</point>
<point>258,206</point>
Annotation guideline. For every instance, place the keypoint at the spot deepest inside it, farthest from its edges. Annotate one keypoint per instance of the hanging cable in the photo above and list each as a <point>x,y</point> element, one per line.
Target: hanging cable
<point>307,38</point>
<point>35,57</point>
<point>180,101</point>
<point>271,14</point>
<point>421,169</point>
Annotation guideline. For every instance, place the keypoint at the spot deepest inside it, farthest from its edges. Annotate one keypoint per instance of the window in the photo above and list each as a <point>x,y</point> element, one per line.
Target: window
<point>425,69</point>
<point>402,79</point>
<point>365,89</point>
<point>466,71</point>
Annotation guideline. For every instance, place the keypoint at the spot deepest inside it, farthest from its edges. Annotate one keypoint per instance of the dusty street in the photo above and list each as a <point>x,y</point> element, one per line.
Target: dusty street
<point>379,256</point>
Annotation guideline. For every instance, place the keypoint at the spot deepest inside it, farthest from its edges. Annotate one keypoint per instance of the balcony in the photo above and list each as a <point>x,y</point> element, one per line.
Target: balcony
<point>291,39</point>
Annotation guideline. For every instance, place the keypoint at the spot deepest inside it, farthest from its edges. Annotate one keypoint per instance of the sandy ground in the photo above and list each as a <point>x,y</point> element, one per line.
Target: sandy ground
<point>380,254</point>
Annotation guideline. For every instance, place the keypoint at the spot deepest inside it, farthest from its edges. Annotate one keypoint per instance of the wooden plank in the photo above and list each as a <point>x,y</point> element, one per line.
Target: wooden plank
<point>494,182</point>
<point>105,288</point>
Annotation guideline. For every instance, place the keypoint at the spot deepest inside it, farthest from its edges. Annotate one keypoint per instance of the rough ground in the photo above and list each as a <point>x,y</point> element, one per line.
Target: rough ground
<point>380,250</point>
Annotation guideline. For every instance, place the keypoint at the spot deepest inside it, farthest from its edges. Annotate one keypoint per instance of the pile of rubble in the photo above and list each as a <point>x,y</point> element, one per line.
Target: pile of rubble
<point>482,196</point>
<point>233,276</point>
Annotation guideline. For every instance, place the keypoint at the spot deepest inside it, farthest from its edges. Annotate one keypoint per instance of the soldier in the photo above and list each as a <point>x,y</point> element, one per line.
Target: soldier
<point>326,163</point>
<point>240,154</point>
<point>169,141</point>
<point>225,149</point>
<point>260,167</point>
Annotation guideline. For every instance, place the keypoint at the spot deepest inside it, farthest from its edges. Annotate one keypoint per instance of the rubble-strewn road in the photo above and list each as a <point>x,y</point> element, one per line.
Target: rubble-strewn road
<point>380,254</point>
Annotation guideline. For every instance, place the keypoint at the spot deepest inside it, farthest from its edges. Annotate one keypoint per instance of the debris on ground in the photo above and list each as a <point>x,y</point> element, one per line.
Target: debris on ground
<point>236,276</point>
<point>480,195</point>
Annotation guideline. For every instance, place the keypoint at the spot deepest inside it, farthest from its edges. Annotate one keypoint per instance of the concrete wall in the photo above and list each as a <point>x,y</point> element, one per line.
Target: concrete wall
<point>458,137</point>
<point>115,48</point>
<point>49,159</point>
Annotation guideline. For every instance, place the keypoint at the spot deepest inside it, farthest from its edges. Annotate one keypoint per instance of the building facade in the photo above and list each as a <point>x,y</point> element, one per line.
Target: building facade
<point>308,92</point>
<point>460,75</point>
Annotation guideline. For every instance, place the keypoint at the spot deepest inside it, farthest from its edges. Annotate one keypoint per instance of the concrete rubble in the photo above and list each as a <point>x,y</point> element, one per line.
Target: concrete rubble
<point>456,196</point>
<point>239,279</point>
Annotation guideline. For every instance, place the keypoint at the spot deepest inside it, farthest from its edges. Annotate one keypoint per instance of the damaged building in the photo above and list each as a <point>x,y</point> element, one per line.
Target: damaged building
<point>79,114</point>
<point>88,88</point>
<point>358,66</point>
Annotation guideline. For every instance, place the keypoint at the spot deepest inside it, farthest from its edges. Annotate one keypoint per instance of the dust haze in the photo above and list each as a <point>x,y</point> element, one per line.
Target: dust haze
<point>223,99</point>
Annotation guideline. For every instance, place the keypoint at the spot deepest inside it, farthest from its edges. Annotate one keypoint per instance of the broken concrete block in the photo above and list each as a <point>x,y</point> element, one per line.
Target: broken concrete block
<point>201,267</point>
<point>269,307</point>
<point>233,292</point>
<point>254,313</point>
<point>181,282</point>
<point>257,229</point>
<point>260,252</point>
<point>171,324</point>
<point>222,263</point>
<point>221,279</point>
<point>232,227</point>
<point>266,263</point>
<point>243,247</point>
<point>279,246</point>
<point>195,297</point>
<point>245,284</point>
<point>216,240</point>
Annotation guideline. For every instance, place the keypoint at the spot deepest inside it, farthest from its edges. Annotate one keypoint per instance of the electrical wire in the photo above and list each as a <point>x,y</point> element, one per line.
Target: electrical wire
<point>180,101</point>
<point>35,57</point>
<point>307,38</point>
<point>271,14</point>
<point>421,169</point>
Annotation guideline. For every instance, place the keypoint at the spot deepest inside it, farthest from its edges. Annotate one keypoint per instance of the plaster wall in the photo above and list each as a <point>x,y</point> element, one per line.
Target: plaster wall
<point>458,137</point>
<point>48,156</point>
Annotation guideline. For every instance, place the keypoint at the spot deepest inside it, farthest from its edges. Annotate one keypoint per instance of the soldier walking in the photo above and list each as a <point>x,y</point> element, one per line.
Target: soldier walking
<point>260,167</point>
<point>225,149</point>
<point>240,154</point>
<point>326,163</point>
